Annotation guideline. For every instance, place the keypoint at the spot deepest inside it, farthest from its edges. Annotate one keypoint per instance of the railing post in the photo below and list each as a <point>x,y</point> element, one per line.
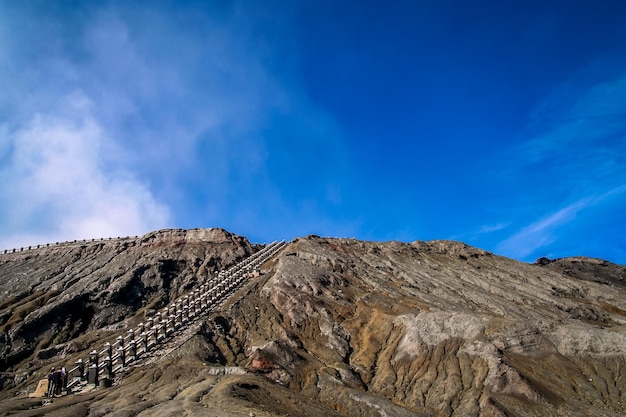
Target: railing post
<point>151,334</point>
<point>155,333</point>
<point>105,380</point>
<point>92,376</point>
<point>121,356</point>
<point>93,357</point>
<point>163,324</point>
<point>144,341</point>
<point>132,350</point>
<point>108,367</point>
<point>179,317</point>
<point>80,368</point>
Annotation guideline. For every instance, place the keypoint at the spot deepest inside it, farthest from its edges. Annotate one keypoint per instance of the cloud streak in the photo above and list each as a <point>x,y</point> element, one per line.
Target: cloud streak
<point>574,150</point>
<point>580,128</point>
<point>544,231</point>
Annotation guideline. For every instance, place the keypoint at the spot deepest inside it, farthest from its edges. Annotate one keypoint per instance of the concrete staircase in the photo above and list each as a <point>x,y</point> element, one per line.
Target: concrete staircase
<point>167,330</point>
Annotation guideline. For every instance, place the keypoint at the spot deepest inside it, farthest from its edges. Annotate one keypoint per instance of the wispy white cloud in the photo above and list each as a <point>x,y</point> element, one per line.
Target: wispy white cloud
<point>62,182</point>
<point>538,234</point>
<point>544,231</point>
<point>153,117</point>
<point>574,150</point>
<point>580,128</point>
<point>491,228</point>
<point>65,173</point>
<point>480,233</point>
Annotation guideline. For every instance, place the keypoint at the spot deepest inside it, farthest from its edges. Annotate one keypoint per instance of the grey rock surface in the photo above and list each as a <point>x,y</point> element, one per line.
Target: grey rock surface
<point>332,327</point>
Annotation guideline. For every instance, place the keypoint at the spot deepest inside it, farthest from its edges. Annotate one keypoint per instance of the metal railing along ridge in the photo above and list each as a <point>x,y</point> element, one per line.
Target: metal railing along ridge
<point>66,243</point>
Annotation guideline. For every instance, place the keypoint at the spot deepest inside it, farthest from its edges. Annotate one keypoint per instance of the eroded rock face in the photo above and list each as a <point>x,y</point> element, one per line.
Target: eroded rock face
<point>54,294</point>
<point>349,328</point>
<point>440,328</point>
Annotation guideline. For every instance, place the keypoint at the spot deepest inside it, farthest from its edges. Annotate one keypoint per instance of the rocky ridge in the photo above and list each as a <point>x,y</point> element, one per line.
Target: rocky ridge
<point>351,328</point>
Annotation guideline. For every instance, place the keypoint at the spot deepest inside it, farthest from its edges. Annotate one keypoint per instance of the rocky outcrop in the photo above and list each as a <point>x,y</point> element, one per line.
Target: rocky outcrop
<point>588,269</point>
<point>349,328</point>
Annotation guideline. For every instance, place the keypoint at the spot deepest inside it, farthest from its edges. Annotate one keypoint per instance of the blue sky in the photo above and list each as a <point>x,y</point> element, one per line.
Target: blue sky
<point>500,124</point>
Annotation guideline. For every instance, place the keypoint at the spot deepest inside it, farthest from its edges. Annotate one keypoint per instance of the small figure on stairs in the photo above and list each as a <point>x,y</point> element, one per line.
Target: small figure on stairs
<point>57,379</point>
<point>51,387</point>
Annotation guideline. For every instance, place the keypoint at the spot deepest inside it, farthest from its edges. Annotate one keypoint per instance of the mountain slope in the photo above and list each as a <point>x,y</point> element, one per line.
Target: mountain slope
<point>343,327</point>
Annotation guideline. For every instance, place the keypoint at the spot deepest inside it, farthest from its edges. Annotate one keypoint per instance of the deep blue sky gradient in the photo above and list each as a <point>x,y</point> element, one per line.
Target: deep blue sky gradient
<point>500,124</point>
